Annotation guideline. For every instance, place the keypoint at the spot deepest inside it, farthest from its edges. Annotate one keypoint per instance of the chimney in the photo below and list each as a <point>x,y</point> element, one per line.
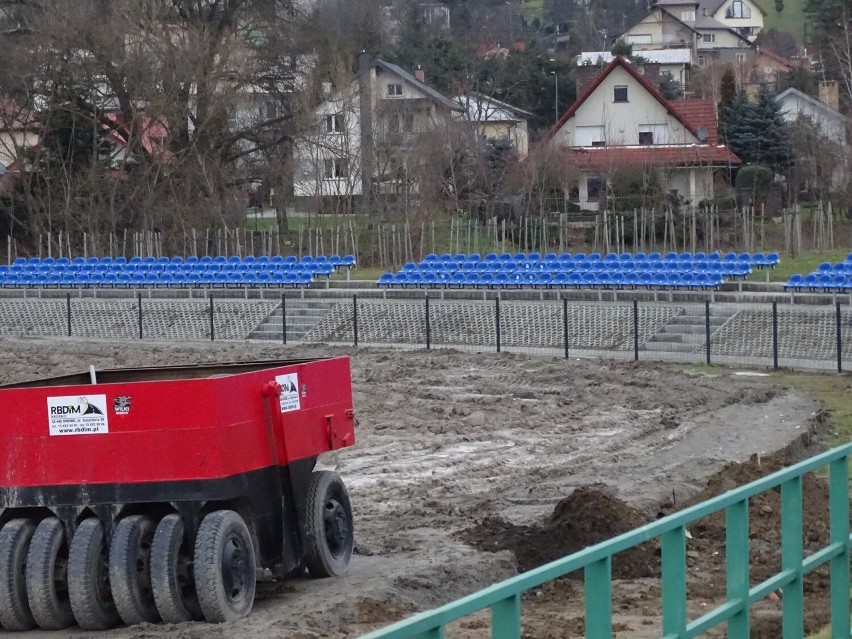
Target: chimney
<point>420,74</point>
<point>586,74</point>
<point>828,94</point>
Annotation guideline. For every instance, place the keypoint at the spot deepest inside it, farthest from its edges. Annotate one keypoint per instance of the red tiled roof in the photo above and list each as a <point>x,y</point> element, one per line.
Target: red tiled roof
<point>699,113</point>
<point>674,155</point>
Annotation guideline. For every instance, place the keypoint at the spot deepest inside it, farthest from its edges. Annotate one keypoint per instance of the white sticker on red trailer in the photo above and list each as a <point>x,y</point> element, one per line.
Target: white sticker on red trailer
<point>289,391</point>
<point>77,415</point>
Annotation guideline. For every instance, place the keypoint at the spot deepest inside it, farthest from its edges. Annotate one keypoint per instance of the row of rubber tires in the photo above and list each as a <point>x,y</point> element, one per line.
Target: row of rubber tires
<point>141,576</point>
<point>148,571</point>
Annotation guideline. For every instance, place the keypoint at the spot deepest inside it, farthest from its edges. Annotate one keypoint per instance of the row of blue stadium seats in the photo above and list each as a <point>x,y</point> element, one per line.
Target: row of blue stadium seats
<point>347,261</point>
<point>159,279</point>
<point>321,268</point>
<point>820,282</point>
<point>759,260</point>
<point>546,280</point>
<point>734,269</point>
<point>840,268</point>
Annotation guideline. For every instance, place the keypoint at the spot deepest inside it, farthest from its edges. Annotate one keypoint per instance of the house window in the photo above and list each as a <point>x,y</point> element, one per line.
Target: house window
<point>687,16</point>
<point>598,142</point>
<point>394,90</point>
<point>619,93</point>
<point>702,61</point>
<point>646,137</point>
<point>574,193</point>
<point>334,123</point>
<point>708,37</point>
<point>408,122</point>
<point>738,9</point>
<point>594,187</point>
<point>741,58</point>
<point>336,168</point>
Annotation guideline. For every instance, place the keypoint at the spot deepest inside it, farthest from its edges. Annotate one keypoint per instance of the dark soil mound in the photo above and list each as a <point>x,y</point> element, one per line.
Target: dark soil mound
<point>589,515</point>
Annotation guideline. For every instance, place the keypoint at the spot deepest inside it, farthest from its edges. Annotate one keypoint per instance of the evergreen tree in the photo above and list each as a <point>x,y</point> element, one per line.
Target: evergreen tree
<point>771,132</point>
<point>757,133</point>
<point>669,87</point>
<point>737,129</point>
<point>727,91</point>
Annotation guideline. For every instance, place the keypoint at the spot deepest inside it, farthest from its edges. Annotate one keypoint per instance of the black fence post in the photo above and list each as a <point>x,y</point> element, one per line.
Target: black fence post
<point>707,328</point>
<point>283,318</point>
<point>68,311</point>
<point>428,326</point>
<point>497,319</point>
<point>139,308</point>
<point>565,325</point>
<point>775,335</point>
<point>355,317</point>
<point>839,338</point>
<point>212,329</point>
<point>635,330</point>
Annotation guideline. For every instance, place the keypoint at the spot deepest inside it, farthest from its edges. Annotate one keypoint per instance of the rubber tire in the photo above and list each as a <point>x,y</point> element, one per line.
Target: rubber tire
<point>15,539</point>
<point>50,606</point>
<point>175,602</point>
<point>130,570</point>
<point>327,497</point>
<point>88,578</point>
<point>220,532</point>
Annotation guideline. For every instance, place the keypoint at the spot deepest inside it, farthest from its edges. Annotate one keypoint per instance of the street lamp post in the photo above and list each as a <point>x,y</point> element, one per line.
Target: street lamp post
<point>556,97</point>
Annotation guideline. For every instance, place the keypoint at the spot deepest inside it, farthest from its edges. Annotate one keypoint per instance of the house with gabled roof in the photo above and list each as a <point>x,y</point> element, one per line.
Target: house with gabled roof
<point>742,16</point>
<point>699,26</point>
<point>360,138</point>
<point>621,122</point>
<point>494,119</point>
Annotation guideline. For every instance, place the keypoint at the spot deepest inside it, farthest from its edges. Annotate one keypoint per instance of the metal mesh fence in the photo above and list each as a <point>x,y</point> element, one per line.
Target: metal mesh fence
<point>768,334</point>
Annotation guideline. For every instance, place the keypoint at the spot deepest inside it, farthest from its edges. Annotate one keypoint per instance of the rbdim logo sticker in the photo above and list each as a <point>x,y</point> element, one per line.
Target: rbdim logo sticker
<point>289,391</point>
<point>77,415</point>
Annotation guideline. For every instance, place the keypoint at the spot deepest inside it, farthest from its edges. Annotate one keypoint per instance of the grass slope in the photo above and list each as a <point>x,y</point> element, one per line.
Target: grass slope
<point>791,19</point>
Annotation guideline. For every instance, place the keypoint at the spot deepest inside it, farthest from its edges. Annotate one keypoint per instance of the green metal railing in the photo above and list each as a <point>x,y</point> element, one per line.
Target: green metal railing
<point>504,598</point>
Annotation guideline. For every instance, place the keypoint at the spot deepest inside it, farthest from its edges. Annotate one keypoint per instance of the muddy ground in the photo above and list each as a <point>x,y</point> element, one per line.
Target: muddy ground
<point>469,466</point>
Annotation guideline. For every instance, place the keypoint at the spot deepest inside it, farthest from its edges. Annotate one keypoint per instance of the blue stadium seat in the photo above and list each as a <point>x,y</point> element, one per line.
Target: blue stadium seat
<point>543,280</point>
<point>347,261</point>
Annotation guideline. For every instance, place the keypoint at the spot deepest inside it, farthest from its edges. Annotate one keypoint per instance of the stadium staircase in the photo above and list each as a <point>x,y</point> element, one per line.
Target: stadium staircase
<point>686,333</point>
<point>302,316</point>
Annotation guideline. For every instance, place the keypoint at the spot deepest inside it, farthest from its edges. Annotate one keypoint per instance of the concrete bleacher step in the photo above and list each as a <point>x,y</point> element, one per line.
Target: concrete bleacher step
<point>302,316</point>
<point>672,347</point>
<point>687,332</point>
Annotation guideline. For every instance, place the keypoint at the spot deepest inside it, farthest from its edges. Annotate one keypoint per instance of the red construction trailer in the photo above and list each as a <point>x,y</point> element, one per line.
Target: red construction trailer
<point>150,494</point>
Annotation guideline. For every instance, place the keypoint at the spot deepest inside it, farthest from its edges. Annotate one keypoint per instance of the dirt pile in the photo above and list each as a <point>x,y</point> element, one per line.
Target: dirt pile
<point>589,515</point>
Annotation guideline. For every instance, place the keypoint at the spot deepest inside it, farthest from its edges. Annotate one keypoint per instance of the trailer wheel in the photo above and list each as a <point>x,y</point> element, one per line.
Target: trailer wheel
<point>171,578</point>
<point>88,577</point>
<point>47,576</point>
<point>225,575</point>
<point>328,526</point>
<point>14,544</point>
<point>130,570</point>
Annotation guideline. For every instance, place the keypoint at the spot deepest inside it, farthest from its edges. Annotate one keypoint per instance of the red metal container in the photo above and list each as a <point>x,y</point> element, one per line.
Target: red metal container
<point>166,448</point>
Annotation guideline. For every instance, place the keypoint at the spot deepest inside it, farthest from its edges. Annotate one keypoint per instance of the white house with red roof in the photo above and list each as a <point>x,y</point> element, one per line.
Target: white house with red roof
<point>621,122</point>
